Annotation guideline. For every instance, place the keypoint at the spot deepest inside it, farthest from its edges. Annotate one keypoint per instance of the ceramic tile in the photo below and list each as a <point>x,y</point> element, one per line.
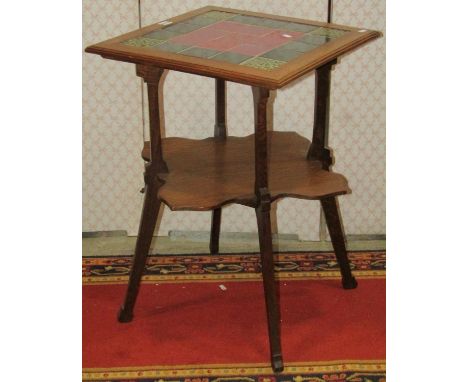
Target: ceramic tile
<point>241,28</point>
<point>219,15</point>
<point>223,43</point>
<point>243,38</point>
<point>200,52</point>
<point>180,28</point>
<point>232,57</point>
<point>329,32</point>
<point>251,49</point>
<point>297,27</point>
<point>282,54</point>
<point>171,47</point>
<point>276,24</point>
<point>198,36</point>
<point>280,37</point>
<point>298,46</point>
<point>314,40</point>
<point>142,42</point>
<point>252,20</point>
<point>161,34</point>
<point>201,21</point>
<point>263,63</point>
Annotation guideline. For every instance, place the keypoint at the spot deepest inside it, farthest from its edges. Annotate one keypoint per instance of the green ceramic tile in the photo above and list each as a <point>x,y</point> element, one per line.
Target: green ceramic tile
<point>282,54</point>
<point>181,28</point>
<point>298,46</point>
<point>142,42</point>
<point>263,63</point>
<point>200,52</point>
<point>161,34</point>
<point>171,47</point>
<point>329,32</point>
<point>297,27</point>
<point>314,40</point>
<point>251,20</point>
<point>276,24</point>
<point>233,58</point>
<point>200,21</point>
<point>219,15</point>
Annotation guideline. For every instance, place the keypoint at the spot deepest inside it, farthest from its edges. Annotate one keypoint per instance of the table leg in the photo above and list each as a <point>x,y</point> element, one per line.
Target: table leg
<point>219,133</point>
<point>332,217</point>
<point>152,76</point>
<point>215,230</point>
<point>149,216</point>
<point>269,284</point>
<point>263,208</point>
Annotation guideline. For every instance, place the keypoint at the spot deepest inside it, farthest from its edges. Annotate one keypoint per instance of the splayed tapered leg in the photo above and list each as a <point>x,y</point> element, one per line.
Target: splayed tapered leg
<point>145,234</point>
<point>215,231</point>
<point>332,217</point>
<point>269,284</point>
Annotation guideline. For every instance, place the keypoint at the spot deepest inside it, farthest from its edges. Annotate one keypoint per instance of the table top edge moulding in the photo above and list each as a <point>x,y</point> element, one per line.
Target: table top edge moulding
<point>241,73</point>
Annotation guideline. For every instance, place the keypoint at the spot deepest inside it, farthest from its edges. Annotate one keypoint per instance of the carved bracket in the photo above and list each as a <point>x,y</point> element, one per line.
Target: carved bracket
<point>318,149</point>
<point>152,75</point>
<point>261,98</point>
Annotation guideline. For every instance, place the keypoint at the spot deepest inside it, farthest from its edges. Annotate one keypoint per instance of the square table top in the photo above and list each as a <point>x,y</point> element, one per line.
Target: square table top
<point>247,47</point>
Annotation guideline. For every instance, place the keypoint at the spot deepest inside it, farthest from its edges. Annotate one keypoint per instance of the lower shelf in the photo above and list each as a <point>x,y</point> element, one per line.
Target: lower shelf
<point>206,174</point>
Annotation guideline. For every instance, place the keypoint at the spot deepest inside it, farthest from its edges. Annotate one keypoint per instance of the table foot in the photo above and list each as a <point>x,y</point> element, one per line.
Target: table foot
<point>277,363</point>
<point>124,316</point>
<point>349,283</point>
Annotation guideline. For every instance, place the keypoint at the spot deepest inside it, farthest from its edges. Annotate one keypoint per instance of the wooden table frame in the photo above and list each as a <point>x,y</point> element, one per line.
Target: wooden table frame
<point>161,167</point>
<point>156,165</point>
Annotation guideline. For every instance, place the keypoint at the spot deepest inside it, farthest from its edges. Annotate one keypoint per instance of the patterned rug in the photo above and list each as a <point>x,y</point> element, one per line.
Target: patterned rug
<point>201,318</point>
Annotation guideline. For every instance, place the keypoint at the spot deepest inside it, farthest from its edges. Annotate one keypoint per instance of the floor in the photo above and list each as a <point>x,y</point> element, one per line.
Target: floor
<point>124,245</point>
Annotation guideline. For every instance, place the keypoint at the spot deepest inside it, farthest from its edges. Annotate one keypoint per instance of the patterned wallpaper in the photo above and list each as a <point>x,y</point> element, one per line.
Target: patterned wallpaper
<point>112,123</point>
<point>113,126</point>
<point>357,125</point>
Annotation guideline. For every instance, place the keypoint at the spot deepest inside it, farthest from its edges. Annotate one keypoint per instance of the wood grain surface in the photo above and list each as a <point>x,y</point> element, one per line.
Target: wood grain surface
<point>206,174</point>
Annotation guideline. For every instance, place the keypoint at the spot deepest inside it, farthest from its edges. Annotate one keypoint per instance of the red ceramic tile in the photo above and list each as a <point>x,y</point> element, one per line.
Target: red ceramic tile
<point>251,49</point>
<point>198,36</point>
<point>231,40</point>
<point>244,38</point>
<point>280,37</point>
<point>223,43</point>
<point>232,26</point>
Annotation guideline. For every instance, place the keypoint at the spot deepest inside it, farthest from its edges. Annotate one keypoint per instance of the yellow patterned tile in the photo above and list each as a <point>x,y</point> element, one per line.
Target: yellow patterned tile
<point>263,63</point>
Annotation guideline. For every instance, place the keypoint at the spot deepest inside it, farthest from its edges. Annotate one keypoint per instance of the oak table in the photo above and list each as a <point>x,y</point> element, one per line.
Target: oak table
<point>265,52</point>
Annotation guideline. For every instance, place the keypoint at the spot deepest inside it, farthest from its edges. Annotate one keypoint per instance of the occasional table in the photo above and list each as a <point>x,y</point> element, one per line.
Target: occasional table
<point>265,52</point>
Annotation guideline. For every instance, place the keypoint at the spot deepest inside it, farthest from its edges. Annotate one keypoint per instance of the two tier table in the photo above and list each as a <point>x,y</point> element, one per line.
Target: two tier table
<point>265,52</point>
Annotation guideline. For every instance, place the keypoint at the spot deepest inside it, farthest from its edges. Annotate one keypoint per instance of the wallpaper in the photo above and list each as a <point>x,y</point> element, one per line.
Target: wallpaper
<point>114,128</point>
<point>112,123</point>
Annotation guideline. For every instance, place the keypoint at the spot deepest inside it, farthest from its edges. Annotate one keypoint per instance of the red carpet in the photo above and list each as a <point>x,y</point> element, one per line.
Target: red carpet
<point>185,327</point>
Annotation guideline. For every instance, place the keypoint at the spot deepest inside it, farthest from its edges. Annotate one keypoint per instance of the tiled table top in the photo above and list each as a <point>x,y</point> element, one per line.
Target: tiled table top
<point>259,47</point>
<point>257,42</point>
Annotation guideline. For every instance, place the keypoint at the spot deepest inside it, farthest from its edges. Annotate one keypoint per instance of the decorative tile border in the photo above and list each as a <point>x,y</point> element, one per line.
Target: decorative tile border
<point>263,63</point>
<point>142,42</point>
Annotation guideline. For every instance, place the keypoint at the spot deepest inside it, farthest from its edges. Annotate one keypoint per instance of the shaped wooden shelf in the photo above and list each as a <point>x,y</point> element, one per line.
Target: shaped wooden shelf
<point>206,174</point>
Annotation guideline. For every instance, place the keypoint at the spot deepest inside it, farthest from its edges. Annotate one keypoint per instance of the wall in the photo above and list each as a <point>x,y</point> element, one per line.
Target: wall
<point>114,129</point>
